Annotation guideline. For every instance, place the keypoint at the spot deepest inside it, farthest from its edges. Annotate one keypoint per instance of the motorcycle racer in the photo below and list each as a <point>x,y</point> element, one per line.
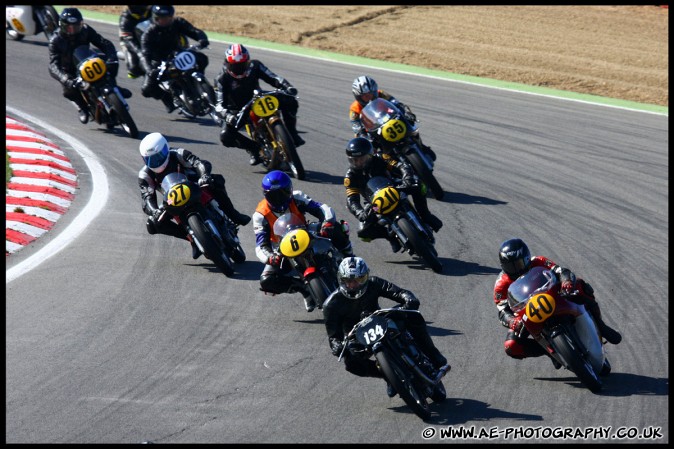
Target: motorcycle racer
<point>279,197</point>
<point>161,160</point>
<point>72,34</point>
<point>363,165</point>
<point>238,78</point>
<point>130,17</point>
<point>165,35</point>
<point>357,297</point>
<point>516,260</point>
<point>365,89</point>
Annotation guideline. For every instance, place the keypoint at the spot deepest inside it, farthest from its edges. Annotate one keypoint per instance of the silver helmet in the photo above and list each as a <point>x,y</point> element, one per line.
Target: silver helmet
<point>353,275</point>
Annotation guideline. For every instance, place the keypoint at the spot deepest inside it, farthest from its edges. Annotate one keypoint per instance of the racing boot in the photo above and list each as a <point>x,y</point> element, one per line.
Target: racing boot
<point>167,99</point>
<point>126,93</point>
<point>611,335</point>
<point>390,391</point>
<point>395,244</point>
<point>254,158</point>
<point>225,203</point>
<point>83,115</point>
<point>434,222</point>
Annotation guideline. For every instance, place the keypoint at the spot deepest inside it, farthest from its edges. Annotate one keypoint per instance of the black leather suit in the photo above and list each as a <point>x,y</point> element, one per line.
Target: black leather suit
<point>341,314</point>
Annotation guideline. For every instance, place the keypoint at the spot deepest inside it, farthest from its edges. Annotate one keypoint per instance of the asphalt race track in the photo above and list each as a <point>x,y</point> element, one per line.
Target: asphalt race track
<point>122,338</point>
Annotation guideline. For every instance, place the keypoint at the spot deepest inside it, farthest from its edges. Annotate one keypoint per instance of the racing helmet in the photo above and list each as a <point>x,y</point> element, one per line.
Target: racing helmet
<point>360,152</point>
<point>515,257</point>
<point>70,22</point>
<point>353,275</point>
<point>365,89</point>
<point>162,15</point>
<point>278,190</point>
<point>155,152</point>
<point>237,61</point>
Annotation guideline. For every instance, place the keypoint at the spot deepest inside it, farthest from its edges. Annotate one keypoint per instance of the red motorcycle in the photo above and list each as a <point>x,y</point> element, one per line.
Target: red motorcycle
<point>564,328</point>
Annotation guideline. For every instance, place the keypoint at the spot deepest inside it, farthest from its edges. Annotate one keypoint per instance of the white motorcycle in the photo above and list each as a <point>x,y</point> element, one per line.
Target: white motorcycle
<point>27,20</point>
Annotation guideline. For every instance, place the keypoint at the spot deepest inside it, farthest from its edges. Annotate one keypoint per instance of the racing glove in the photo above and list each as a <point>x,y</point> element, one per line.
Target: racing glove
<point>336,347</point>
<point>203,43</point>
<point>275,260</point>
<point>516,324</point>
<point>327,229</point>
<point>411,302</point>
<point>205,180</point>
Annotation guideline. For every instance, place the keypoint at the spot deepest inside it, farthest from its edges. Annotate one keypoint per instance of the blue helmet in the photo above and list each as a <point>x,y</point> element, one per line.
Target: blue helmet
<point>278,190</point>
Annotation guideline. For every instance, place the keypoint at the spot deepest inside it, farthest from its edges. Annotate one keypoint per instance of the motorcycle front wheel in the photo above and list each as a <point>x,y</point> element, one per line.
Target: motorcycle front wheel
<point>401,379</point>
<point>51,19</point>
<point>420,246</point>
<point>288,147</point>
<point>580,366</point>
<point>123,116</point>
<point>426,175</point>
<point>319,291</point>
<point>211,248</point>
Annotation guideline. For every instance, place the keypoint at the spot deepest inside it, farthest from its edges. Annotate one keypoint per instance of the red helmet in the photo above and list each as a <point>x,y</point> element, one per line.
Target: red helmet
<point>237,61</point>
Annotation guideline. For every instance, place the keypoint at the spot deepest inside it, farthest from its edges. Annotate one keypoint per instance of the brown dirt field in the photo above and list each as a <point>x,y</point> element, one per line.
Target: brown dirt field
<point>612,51</point>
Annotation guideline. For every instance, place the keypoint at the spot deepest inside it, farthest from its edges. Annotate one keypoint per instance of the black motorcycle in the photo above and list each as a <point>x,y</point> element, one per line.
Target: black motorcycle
<point>181,76</point>
<point>396,213</point>
<point>211,230</point>
<point>314,258</point>
<point>105,103</point>
<point>398,358</point>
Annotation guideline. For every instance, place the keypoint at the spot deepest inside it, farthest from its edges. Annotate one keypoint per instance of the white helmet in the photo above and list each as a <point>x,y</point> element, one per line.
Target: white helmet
<point>353,275</point>
<point>155,151</point>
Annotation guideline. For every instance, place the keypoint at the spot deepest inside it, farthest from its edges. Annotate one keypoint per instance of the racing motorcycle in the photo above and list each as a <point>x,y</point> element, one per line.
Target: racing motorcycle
<point>264,124</point>
<point>105,102</point>
<point>208,226</point>
<point>398,358</point>
<point>562,327</point>
<point>313,257</point>
<point>180,76</point>
<point>27,20</point>
<point>391,132</point>
<point>395,212</point>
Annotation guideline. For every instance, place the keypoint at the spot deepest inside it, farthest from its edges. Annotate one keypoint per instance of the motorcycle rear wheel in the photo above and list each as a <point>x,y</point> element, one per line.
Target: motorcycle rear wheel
<point>426,176</point>
<point>580,366</point>
<point>123,116</point>
<point>401,380</point>
<point>211,248</point>
<point>420,246</point>
<point>288,147</point>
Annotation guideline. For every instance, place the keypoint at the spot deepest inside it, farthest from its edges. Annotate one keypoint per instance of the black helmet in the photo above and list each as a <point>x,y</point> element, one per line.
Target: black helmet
<point>515,258</point>
<point>162,15</point>
<point>70,22</point>
<point>359,150</point>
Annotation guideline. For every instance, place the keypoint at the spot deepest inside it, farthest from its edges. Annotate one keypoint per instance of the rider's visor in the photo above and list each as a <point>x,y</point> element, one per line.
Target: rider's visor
<point>354,283</point>
<point>360,162</point>
<point>157,160</point>
<point>163,21</point>
<point>72,29</point>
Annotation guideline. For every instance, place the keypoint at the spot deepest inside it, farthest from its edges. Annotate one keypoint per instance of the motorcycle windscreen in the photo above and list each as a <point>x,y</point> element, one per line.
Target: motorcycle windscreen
<point>376,113</point>
<point>536,279</point>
